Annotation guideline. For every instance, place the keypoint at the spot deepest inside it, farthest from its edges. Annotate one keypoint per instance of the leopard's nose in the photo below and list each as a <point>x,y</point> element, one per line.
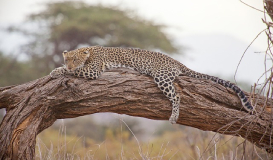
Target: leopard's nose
<point>69,68</point>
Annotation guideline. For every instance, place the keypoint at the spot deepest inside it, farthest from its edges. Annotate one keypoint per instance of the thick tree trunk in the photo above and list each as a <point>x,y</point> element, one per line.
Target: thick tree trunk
<point>34,106</point>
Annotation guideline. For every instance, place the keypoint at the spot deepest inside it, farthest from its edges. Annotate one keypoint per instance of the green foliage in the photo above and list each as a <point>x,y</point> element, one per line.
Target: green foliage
<point>16,72</point>
<point>74,23</point>
<point>70,25</point>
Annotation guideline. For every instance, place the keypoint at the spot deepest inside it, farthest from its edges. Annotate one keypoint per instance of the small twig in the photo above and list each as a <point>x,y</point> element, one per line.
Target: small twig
<point>244,54</point>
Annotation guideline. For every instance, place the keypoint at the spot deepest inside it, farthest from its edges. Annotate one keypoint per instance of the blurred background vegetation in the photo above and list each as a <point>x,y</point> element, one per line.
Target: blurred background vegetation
<point>70,25</point>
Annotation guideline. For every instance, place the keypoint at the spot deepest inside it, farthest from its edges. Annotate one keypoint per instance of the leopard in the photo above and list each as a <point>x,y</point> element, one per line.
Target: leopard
<point>90,62</point>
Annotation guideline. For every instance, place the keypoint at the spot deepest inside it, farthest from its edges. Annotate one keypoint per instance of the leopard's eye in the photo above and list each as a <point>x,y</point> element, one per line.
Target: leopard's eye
<point>85,52</point>
<point>65,51</point>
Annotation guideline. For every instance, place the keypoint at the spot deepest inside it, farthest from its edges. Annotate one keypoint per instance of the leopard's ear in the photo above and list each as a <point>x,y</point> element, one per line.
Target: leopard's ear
<point>86,53</point>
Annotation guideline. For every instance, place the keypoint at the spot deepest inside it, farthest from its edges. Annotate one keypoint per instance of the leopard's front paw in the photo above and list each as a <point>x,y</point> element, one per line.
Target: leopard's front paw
<point>57,72</point>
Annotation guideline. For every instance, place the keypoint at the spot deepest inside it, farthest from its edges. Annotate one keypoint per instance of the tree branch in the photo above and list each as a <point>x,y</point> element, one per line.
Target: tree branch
<point>36,105</point>
<point>269,8</point>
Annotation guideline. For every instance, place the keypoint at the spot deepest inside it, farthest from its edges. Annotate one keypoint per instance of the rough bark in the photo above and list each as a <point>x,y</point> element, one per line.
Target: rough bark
<point>36,105</point>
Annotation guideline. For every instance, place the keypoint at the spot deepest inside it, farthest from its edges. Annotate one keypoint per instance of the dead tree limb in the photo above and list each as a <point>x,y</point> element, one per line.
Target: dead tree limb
<point>36,105</point>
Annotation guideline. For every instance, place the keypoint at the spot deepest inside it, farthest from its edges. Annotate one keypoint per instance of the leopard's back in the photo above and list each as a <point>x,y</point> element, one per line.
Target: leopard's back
<point>144,61</point>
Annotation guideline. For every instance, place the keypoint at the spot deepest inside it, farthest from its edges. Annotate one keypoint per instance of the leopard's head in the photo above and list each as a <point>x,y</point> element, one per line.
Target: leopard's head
<point>75,59</point>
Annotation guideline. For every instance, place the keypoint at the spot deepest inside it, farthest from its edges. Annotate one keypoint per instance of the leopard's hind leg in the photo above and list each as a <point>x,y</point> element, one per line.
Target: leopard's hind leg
<point>164,80</point>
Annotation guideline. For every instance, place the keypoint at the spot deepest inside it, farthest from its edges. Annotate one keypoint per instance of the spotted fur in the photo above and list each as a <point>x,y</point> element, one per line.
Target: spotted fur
<point>90,62</point>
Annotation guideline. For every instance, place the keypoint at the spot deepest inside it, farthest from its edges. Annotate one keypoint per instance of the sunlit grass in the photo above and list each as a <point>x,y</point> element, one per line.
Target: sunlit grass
<point>187,143</point>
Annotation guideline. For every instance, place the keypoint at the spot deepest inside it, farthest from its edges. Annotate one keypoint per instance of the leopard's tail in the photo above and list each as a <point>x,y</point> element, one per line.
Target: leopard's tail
<point>246,104</point>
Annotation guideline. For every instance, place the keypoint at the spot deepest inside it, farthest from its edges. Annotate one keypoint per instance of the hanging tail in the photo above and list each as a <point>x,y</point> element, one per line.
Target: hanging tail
<point>246,104</point>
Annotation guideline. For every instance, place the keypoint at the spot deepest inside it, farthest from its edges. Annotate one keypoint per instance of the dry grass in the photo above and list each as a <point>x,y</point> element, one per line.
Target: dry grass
<point>187,143</point>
